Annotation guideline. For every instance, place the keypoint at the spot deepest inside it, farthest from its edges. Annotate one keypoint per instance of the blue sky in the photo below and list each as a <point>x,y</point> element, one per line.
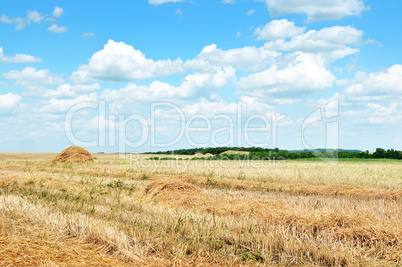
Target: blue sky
<point>162,74</point>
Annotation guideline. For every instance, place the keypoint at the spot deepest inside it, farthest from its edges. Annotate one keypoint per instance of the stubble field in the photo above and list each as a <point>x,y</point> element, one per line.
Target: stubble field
<point>136,212</point>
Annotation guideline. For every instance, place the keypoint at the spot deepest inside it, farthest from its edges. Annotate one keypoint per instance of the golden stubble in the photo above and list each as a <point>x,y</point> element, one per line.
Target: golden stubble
<point>162,213</point>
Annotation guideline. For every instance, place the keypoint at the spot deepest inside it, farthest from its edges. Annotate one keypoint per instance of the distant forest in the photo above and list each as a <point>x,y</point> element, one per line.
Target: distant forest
<point>278,154</point>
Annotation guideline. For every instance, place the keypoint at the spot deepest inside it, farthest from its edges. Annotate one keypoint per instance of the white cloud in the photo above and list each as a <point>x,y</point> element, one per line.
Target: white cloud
<point>22,22</point>
<point>206,107</point>
<point>99,123</point>
<point>194,83</point>
<point>329,42</point>
<point>179,12</point>
<point>87,35</point>
<point>193,86</point>
<point>378,114</point>
<point>118,61</point>
<point>229,1</point>
<point>9,101</point>
<point>317,9</point>
<point>327,39</point>
<point>278,29</point>
<point>69,91</point>
<point>35,16</point>
<point>155,91</point>
<point>31,76</point>
<point>57,29</point>
<point>250,12</point>
<point>383,85</point>
<point>303,75</point>
<point>4,19</point>
<point>370,41</point>
<point>160,2</point>
<point>245,103</point>
<point>62,105</point>
<point>57,12</point>
<point>342,82</point>
<point>18,58</point>
<point>245,59</point>
<point>330,105</point>
<point>375,113</point>
<point>380,110</point>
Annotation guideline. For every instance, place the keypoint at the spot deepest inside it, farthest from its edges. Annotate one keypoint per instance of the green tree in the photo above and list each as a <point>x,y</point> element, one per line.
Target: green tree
<point>379,153</point>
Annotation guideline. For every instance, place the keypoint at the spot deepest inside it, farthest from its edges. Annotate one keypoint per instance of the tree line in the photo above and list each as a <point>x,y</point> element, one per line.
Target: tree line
<point>278,154</point>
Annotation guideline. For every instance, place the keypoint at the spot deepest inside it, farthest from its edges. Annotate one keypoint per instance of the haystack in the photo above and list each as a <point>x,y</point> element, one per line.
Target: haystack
<point>74,154</point>
<point>171,186</point>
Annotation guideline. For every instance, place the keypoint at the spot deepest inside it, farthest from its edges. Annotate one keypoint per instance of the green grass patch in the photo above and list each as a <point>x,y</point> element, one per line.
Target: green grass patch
<point>347,159</point>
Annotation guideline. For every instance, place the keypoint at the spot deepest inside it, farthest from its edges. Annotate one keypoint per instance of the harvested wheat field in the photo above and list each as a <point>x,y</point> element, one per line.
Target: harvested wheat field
<point>141,212</point>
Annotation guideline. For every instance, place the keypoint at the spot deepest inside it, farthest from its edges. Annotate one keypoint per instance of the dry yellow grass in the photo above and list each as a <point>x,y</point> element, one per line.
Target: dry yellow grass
<point>115,212</point>
<point>199,155</point>
<point>234,152</point>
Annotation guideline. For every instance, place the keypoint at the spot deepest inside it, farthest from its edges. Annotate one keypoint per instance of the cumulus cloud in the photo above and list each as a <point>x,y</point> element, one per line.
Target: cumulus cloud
<point>8,102</point>
<point>160,2</point>
<point>57,12</point>
<point>245,59</point>
<point>118,61</point>
<point>326,39</point>
<point>331,41</point>
<point>207,107</point>
<point>70,91</point>
<point>31,76</point>
<point>278,29</point>
<point>18,58</point>
<point>62,105</point>
<point>383,85</point>
<point>317,9</point>
<point>57,29</point>
<point>303,75</point>
<point>193,86</point>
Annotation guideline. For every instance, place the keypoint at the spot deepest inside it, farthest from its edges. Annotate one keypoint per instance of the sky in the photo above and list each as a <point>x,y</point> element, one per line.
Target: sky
<point>136,76</point>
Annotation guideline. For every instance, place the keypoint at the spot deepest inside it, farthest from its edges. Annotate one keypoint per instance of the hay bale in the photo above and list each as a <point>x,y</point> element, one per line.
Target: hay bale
<point>169,186</point>
<point>74,154</point>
